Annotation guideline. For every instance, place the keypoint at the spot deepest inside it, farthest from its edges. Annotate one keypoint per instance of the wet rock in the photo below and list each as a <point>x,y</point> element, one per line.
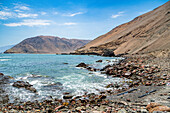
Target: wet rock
<point>82,65</point>
<point>67,97</point>
<point>26,85</point>
<point>99,61</point>
<point>105,67</point>
<point>1,74</point>
<point>91,69</point>
<point>32,89</point>
<point>65,63</point>
<point>102,96</point>
<point>21,84</point>
<point>66,93</point>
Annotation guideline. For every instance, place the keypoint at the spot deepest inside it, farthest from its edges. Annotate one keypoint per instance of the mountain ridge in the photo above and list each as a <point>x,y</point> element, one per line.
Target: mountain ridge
<point>139,36</point>
<point>47,45</point>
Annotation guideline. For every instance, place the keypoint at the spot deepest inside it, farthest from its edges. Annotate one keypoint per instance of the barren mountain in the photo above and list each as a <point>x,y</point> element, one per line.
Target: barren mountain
<point>47,44</point>
<point>146,34</point>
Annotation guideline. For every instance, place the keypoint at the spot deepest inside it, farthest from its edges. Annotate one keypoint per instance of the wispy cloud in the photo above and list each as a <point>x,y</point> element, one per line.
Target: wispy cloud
<point>21,7</point>
<point>55,13</point>
<point>73,14</point>
<point>30,22</point>
<point>117,15</point>
<point>23,15</point>
<point>5,15</point>
<point>69,23</point>
<point>18,10</point>
<point>43,13</point>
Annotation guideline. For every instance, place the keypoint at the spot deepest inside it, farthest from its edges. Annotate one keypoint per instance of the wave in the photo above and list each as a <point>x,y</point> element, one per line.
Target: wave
<point>5,59</point>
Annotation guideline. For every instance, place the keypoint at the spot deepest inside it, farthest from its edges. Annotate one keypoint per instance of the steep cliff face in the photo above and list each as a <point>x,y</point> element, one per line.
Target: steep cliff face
<point>47,44</point>
<point>147,33</point>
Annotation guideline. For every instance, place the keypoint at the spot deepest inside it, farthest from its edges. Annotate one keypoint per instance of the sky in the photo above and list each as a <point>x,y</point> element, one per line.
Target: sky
<point>73,19</point>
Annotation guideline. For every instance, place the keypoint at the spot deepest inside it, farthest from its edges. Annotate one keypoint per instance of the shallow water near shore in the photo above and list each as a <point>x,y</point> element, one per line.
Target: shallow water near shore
<point>52,75</point>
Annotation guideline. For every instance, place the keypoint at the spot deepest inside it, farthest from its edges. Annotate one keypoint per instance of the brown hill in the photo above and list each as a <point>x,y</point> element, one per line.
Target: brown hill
<point>148,33</point>
<point>47,44</point>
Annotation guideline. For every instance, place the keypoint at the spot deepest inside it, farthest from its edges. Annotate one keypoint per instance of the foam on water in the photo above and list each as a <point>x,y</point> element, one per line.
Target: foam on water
<point>51,77</point>
<point>5,59</point>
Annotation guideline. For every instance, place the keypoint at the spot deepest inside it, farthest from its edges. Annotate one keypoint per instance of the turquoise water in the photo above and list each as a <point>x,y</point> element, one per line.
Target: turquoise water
<point>42,71</point>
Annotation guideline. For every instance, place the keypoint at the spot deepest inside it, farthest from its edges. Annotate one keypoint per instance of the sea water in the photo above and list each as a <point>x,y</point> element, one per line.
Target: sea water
<point>53,75</point>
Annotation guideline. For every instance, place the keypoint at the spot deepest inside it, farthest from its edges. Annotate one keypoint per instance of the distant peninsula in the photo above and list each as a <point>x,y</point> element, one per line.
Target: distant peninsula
<point>47,45</point>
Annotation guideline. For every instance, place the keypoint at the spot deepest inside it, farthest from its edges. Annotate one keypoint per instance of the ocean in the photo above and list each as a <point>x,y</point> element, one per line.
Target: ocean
<point>53,75</point>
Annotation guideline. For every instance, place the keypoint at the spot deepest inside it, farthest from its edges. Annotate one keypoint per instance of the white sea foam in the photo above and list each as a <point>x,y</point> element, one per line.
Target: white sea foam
<point>5,59</point>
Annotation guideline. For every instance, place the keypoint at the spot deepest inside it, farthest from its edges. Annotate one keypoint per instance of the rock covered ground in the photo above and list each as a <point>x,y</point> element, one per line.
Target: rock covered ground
<point>149,91</point>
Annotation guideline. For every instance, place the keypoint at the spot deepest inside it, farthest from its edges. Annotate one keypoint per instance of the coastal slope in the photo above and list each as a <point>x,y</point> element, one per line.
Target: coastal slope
<point>146,34</point>
<point>47,45</point>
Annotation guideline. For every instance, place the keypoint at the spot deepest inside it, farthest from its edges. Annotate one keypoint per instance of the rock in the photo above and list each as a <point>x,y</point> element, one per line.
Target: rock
<point>66,93</point>
<point>144,111</point>
<point>91,69</point>
<point>31,89</point>
<point>21,84</point>
<point>160,108</point>
<point>82,65</point>
<point>99,61</point>
<point>65,63</point>
<point>156,107</point>
<point>26,85</point>
<point>67,97</point>
<point>1,74</point>
<point>128,74</point>
<point>107,66</point>
<point>122,111</point>
<point>102,96</point>
<point>108,53</point>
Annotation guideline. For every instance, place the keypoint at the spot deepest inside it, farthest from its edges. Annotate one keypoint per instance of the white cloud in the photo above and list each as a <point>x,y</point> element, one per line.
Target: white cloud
<point>55,13</point>
<point>74,14</point>
<point>30,22</point>
<point>21,7</point>
<point>43,13</point>
<point>22,15</point>
<point>5,15</point>
<point>117,15</point>
<point>70,23</point>
<point>18,11</point>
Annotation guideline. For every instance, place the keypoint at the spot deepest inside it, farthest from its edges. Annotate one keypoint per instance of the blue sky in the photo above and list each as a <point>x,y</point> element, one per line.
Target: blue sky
<point>81,19</point>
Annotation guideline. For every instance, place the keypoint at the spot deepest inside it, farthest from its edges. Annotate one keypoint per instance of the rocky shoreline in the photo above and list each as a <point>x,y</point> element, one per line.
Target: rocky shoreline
<point>148,91</point>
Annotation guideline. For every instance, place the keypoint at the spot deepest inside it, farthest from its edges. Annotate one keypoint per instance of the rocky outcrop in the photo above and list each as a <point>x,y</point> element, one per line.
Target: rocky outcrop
<point>47,45</point>
<point>146,34</point>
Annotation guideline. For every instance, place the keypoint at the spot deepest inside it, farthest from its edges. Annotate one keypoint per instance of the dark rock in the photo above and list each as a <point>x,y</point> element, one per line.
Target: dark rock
<point>102,96</point>
<point>32,89</point>
<point>67,97</point>
<point>66,93</point>
<point>82,65</point>
<point>1,74</point>
<point>26,85</point>
<point>91,69</point>
<point>108,53</point>
<point>105,67</point>
<point>21,84</point>
<point>99,61</point>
